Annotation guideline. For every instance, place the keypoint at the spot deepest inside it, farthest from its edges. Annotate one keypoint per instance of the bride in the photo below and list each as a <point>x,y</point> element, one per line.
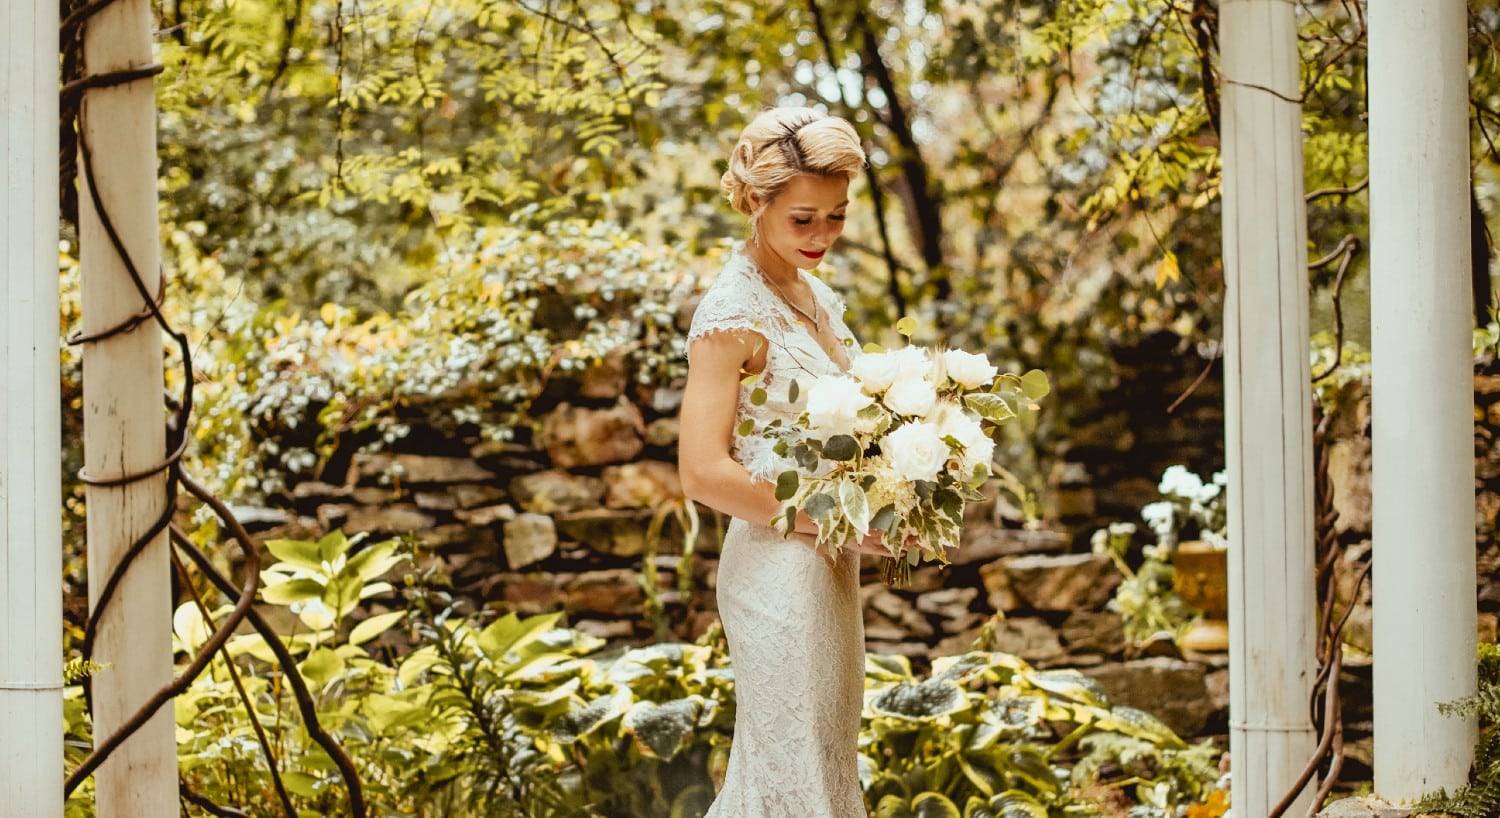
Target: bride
<point>791,614</point>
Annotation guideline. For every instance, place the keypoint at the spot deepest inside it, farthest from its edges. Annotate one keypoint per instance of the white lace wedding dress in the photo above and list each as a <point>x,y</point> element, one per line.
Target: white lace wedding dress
<point>793,622</point>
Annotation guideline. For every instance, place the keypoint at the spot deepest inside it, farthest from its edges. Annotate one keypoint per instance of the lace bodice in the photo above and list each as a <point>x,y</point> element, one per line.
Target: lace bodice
<point>740,299</point>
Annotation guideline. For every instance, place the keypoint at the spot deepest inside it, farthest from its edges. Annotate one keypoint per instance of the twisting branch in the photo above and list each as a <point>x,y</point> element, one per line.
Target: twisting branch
<point>1345,253</point>
<point>877,193</point>
<point>1330,646</point>
<point>78,84</point>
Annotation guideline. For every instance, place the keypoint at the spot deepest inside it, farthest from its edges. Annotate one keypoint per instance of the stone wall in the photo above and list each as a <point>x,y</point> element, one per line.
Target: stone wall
<point>562,522</point>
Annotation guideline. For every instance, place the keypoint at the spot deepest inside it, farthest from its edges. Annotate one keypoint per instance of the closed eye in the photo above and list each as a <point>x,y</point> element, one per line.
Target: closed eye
<point>809,221</point>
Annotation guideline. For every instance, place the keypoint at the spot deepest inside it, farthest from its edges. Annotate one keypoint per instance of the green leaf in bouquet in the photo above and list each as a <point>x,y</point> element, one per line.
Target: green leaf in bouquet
<point>821,506</point>
<point>884,517</point>
<point>841,448</point>
<point>805,456</point>
<point>1034,384</point>
<point>876,412</point>
<point>906,326</point>
<point>786,485</point>
<point>980,474</point>
<point>990,406</point>
<point>746,427</point>
<point>855,504</point>
<point>793,391</point>
<point>872,347</point>
<point>758,396</point>
<point>789,523</point>
<point>924,489</point>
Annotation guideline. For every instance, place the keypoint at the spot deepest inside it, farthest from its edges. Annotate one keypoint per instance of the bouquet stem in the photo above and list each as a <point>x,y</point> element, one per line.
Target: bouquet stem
<point>895,572</point>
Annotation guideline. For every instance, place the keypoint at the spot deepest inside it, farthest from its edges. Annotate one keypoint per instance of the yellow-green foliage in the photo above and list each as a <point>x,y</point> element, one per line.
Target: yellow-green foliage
<point>513,716</point>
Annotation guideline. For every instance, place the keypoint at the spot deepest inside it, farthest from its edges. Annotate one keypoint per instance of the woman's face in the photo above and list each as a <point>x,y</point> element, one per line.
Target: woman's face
<point>805,219</point>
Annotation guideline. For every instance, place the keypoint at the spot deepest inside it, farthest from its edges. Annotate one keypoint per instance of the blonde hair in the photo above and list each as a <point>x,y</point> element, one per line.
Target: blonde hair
<point>780,143</point>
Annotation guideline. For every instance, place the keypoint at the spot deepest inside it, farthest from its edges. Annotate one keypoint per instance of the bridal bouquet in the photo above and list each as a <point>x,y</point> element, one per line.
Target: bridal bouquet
<point>900,444</point>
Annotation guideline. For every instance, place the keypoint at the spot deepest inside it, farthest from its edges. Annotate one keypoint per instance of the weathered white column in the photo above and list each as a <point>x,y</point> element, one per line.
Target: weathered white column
<point>1268,406</point>
<point>123,420</point>
<point>1422,402</point>
<point>31,723</point>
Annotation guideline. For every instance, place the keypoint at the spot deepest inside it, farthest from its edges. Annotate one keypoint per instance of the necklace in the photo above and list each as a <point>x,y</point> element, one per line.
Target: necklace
<point>815,318</point>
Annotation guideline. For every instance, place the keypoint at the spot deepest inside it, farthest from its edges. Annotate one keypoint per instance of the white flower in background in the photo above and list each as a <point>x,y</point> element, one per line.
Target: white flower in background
<point>1122,529</point>
<point>1161,516</point>
<point>964,427</point>
<point>878,370</point>
<point>1178,480</point>
<point>911,396</point>
<point>1099,542</point>
<point>833,404</point>
<point>916,450</point>
<point>970,370</point>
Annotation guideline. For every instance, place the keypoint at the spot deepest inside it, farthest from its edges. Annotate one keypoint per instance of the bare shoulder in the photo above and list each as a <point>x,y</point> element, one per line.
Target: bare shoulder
<point>728,350</point>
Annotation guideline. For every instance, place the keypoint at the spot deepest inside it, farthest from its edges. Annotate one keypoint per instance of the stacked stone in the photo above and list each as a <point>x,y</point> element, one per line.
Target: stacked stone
<point>560,522</point>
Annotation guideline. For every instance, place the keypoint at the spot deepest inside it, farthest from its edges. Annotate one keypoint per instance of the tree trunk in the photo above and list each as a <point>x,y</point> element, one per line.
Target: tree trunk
<point>31,720</point>
<point>124,428</point>
<point>1268,407</point>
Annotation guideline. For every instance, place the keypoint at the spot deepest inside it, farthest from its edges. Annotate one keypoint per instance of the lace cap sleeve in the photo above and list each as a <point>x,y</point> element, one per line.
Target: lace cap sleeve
<point>734,301</point>
<point>719,310</point>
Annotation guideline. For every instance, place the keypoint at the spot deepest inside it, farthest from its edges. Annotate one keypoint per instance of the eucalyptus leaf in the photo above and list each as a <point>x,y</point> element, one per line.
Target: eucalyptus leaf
<point>841,448</point>
<point>1034,384</point>
<point>786,485</point>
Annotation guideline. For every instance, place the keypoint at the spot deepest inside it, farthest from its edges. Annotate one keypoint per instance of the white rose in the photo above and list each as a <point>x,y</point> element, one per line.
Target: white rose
<point>970,370</point>
<point>834,402</point>
<point>911,396</point>
<point>878,370</point>
<point>916,450</point>
<point>978,447</point>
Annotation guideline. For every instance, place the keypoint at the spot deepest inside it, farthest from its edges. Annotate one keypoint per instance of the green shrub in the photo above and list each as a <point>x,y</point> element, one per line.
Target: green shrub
<point>518,716</point>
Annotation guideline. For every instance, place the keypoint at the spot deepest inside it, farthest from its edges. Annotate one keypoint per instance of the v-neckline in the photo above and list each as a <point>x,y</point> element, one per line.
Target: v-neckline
<point>807,331</point>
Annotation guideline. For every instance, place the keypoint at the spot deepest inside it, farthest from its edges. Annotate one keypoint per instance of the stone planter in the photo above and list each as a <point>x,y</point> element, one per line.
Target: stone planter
<point>1201,578</point>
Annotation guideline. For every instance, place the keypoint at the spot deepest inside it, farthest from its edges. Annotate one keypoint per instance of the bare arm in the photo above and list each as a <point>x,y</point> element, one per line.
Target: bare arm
<point>707,472</point>
<point>709,475</point>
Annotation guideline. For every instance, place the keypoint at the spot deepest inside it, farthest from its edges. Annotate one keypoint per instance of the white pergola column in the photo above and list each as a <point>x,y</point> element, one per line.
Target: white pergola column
<point>1268,406</point>
<point>123,414</point>
<point>1423,393</point>
<point>31,722</point>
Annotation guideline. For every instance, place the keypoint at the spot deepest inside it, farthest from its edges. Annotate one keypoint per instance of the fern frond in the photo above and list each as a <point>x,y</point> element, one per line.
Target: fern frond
<point>74,670</point>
